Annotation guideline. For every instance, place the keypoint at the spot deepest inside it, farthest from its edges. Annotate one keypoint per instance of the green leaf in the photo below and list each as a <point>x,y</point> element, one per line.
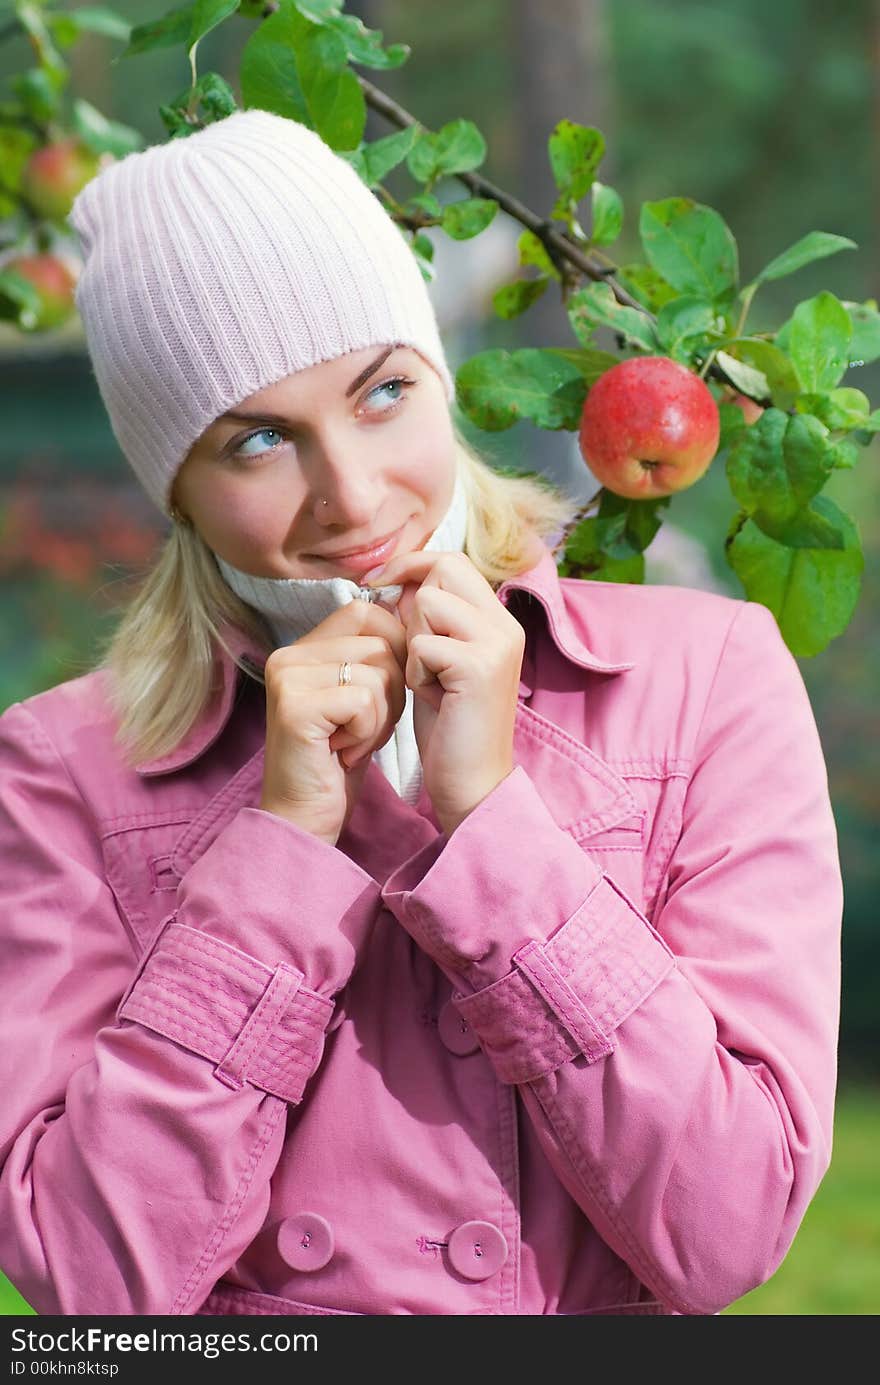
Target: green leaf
<point>532,251</point>
<point>103,135</point>
<point>778,463</point>
<point>845,454</point>
<point>771,363</point>
<point>745,377</point>
<point>376,159</point>
<point>423,249</point>
<point>684,320</point>
<point>513,299</point>
<point>39,91</point>
<point>207,15</point>
<point>362,45</point>
<point>298,69</point>
<point>16,147</point>
<point>173,28</point>
<point>575,153</point>
<point>498,388</point>
<point>840,409</point>
<point>818,339</point>
<point>589,360</point>
<point>607,214</point>
<point>423,246</point>
<point>864,345</point>
<point>645,284</point>
<point>732,424</point>
<point>465,219</point>
<point>871,424</point>
<point>63,29</point>
<point>812,591</point>
<point>609,546</point>
<point>691,246</point>
<point>19,300</point>
<point>424,204</point>
<point>815,245</point>
<point>457,147</point>
<point>595,306</point>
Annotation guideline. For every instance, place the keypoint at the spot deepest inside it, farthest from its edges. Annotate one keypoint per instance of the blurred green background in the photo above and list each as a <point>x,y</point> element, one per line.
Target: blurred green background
<point>767,113</point>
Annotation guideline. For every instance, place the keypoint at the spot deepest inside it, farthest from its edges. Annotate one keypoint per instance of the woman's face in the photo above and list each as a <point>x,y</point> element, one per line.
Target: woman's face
<point>369,432</point>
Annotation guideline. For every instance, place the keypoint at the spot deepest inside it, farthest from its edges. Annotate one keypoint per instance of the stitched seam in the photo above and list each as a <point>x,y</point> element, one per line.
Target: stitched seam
<point>232,1211</point>
<point>236,961</point>
<point>561,999</point>
<point>228,794</point>
<point>153,987</point>
<point>129,822</point>
<point>259,1023</point>
<point>148,1005</point>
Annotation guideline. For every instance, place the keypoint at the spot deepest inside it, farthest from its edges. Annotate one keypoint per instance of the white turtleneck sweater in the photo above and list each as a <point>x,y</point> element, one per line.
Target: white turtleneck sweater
<point>294,605</point>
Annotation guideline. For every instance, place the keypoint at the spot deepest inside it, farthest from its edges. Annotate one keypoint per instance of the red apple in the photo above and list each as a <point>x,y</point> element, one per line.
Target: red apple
<point>649,427</point>
<point>54,174</point>
<point>54,283</point>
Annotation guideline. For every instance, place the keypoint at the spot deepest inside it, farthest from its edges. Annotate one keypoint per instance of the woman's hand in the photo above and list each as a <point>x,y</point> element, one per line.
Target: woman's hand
<point>463,664</point>
<point>312,721</point>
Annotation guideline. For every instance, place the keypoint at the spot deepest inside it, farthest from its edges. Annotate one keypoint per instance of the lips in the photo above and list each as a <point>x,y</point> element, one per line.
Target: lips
<point>365,559</point>
<point>358,552</point>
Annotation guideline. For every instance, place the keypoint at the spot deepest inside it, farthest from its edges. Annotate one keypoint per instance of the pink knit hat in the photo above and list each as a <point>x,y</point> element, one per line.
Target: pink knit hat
<point>218,263</point>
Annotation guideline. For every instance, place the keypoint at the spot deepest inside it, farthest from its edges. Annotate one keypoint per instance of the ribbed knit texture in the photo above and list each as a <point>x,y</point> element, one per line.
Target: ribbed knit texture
<point>219,263</point>
<point>295,605</point>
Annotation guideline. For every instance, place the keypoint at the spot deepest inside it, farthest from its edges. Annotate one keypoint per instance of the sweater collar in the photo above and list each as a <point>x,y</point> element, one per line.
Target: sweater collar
<point>541,581</point>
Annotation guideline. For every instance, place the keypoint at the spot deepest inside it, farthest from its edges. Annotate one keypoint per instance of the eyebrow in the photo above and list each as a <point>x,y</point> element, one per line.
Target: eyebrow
<point>259,415</point>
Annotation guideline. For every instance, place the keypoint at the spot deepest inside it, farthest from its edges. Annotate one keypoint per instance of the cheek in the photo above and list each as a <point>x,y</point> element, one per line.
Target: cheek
<point>430,460</point>
<point>242,519</point>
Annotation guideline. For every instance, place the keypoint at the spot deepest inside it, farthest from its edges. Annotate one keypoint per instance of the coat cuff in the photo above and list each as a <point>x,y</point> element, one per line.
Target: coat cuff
<point>280,894</point>
<point>257,1024</point>
<point>507,875</point>
<point>547,954</point>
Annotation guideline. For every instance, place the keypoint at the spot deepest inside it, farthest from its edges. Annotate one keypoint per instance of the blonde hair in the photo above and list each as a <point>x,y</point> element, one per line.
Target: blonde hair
<point>161,656</point>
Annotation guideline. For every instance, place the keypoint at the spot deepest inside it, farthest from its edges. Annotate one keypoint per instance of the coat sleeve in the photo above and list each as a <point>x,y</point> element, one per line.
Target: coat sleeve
<point>144,1100</point>
<point>680,1076</point>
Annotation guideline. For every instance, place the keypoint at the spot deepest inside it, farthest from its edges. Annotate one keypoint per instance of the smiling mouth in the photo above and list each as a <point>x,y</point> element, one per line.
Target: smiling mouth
<point>358,552</point>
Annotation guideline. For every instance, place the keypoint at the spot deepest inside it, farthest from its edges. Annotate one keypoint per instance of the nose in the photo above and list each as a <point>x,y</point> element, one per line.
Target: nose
<point>346,481</point>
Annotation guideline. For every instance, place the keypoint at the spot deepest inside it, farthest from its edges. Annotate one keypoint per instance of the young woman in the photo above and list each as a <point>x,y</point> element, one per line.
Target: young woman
<point>451,938</point>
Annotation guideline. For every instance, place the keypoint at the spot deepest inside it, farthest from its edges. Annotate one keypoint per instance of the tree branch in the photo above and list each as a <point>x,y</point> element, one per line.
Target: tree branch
<point>556,241</point>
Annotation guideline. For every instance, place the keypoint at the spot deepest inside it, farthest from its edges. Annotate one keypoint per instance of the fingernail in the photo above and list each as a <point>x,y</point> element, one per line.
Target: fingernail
<point>373,573</point>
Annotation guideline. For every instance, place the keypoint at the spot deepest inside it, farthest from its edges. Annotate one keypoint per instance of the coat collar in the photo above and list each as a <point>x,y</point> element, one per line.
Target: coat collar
<point>541,581</point>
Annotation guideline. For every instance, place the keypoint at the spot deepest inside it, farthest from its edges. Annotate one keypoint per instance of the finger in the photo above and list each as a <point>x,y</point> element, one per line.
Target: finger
<point>361,649</point>
<point>437,611</point>
<point>436,658</point>
<point>449,571</point>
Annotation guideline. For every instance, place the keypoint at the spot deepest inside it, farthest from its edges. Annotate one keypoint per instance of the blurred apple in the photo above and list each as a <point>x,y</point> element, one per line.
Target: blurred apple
<point>54,283</point>
<point>750,409</point>
<point>54,174</point>
<point>649,427</point>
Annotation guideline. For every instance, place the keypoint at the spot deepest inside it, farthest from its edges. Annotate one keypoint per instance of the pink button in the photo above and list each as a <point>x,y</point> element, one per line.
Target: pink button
<point>477,1249</point>
<point>305,1241</point>
<point>457,1036</point>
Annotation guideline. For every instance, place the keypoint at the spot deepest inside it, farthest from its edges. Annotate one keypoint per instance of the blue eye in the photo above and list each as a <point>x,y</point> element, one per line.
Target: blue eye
<point>265,432</point>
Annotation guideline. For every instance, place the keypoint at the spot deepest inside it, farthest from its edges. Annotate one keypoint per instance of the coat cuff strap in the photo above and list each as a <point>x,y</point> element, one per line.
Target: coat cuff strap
<point>257,1024</point>
<point>565,997</point>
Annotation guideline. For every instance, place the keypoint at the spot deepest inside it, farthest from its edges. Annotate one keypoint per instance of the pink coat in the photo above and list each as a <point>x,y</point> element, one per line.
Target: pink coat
<point>579,1057</point>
